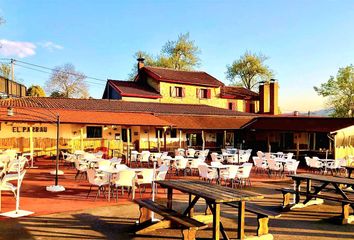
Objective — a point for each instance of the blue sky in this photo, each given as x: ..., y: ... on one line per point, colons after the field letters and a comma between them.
x: 306, y: 41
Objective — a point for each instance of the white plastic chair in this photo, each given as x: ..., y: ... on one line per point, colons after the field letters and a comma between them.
x: 81, y: 168
x: 259, y: 164
x: 125, y: 178
x: 5, y: 184
x: 274, y: 166
x: 334, y: 166
x: 289, y: 155
x: 206, y: 173
x: 190, y: 152
x: 244, y: 174
x: 230, y: 174
x: 155, y: 156
x: 316, y: 164
x: 144, y: 158
x: 147, y: 178
x: 194, y: 164
x: 245, y: 157
x: 100, y: 183
x: 181, y: 165
x: 291, y: 166
x: 216, y: 158
x: 234, y: 159
x: 134, y: 157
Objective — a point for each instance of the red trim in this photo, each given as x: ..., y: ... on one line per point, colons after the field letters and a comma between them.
x: 139, y: 95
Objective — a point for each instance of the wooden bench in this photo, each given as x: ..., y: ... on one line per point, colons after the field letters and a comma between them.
x: 263, y: 214
x: 189, y: 225
x: 346, y: 203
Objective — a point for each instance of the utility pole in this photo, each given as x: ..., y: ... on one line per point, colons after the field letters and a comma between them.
x: 12, y: 69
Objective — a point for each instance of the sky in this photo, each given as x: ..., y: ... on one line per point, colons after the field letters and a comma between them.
x: 306, y: 41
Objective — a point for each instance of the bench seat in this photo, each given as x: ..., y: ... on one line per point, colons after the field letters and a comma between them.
x: 346, y: 203
x: 263, y: 214
x: 189, y: 225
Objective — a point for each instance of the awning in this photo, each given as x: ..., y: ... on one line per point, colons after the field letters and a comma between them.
x: 82, y: 117
x: 206, y: 122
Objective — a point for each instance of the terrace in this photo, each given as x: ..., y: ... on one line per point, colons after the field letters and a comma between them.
x: 70, y: 214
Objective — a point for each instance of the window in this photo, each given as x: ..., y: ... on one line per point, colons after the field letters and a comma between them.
x: 203, y: 93
x: 158, y: 132
x: 178, y: 92
x: 231, y: 106
x: 93, y: 132
x: 125, y: 135
x: 173, y: 133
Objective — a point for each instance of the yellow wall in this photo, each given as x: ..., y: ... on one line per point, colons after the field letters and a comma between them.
x: 344, y: 144
x: 190, y: 96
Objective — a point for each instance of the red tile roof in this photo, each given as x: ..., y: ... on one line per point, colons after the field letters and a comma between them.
x: 235, y: 92
x: 118, y: 106
x: 133, y: 89
x: 206, y: 122
x: 182, y: 77
x: 299, y: 124
x: 82, y: 117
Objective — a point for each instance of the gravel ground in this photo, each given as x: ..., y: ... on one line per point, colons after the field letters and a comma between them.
x: 119, y: 222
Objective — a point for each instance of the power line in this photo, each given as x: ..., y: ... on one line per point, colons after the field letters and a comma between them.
x: 38, y: 70
x: 55, y: 70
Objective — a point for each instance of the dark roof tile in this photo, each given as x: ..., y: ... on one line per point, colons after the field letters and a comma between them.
x: 133, y: 89
x: 182, y: 77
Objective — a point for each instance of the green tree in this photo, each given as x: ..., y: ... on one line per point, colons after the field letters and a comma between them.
x: 57, y: 94
x: 339, y: 92
x: 249, y: 70
x: 35, y: 91
x: 5, y: 70
x: 181, y: 54
x: 67, y: 81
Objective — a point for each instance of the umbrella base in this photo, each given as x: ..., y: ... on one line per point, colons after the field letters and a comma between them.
x: 16, y: 214
x: 60, y: 172
x: 55, y: 188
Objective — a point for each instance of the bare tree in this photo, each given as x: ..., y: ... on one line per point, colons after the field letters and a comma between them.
x: 5, y: 70
x: 68, y: 82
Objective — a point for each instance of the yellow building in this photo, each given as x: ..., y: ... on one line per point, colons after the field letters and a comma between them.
x: 155, y: 84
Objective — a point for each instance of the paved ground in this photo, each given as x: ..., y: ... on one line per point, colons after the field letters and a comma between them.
x: 118, y: 222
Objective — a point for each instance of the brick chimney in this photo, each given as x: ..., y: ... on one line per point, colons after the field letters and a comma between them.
x: 264, y: 97
x: 273, y: 97
x: 140, y: 62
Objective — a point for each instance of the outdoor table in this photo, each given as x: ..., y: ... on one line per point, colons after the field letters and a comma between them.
x: 218, y: 168
x: 325, y: 163
x: 214, y: 196
x: 324, y: 182
x: 283, y: 161
x: 111, y: 171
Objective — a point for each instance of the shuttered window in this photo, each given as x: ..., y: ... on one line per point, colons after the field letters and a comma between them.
x: 203, y: 93
x: 178, y: 92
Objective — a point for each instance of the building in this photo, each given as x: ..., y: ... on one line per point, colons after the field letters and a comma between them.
x: 162, y: 85
x: 9, y: 88
x: 164, y: 109
x: 115, y: 124
x: 121, y: 125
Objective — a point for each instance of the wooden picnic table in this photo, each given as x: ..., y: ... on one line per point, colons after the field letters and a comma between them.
x: 341, y: 195
x: 214, y: 195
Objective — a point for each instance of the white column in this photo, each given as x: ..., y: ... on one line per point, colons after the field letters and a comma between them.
x: 180, y: 138
x: 203, y: 139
